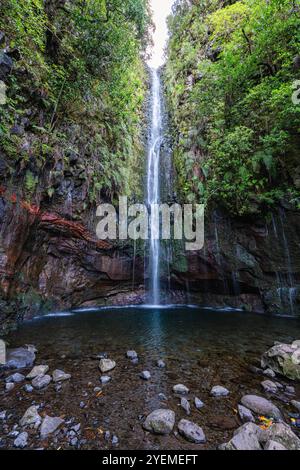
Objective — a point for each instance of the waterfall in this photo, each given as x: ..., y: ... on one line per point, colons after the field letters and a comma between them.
x: 153, y: 185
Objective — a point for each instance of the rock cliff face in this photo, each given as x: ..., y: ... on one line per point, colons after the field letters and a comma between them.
x: 250, y: 264
x: 48, y: 262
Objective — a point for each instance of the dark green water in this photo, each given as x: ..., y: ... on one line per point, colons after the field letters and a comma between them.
x: 192, y: 331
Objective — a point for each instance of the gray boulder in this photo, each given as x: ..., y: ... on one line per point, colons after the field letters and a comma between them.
x: 273, y: 445
x: 19, y: 358
x: 41, y: 381
x: 261, y: 406
x: 49, y: 425
x: 282, y: 434
x: 247, y: 437
x: 106, y: 365
x: 184, y: 403
x: 160, y: 421
x: 269, y: 386
x: 191, y: 431
x: 245, y: 414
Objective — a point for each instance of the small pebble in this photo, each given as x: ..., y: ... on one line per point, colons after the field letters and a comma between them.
x: 198, y: 403
x: 185, y: 405
x: 104, y: 379
x: 131, y: 355
x: 162, y: 397
x: 181, y: 389
x: 145, y: 375
x: 219, y: 391
x: 9, y: 386
x: 161, y: 364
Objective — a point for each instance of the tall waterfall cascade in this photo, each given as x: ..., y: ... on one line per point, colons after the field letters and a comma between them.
x: 161, y: 10
x: 153, y: 185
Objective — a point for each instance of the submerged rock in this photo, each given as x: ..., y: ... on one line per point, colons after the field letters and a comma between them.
x: 181, y: 389
x: 219, y: 391
x: 49, y: 425
x: 284, y: 359
x: 19, y: 358
x: 21, y: 441
x: 184, y: 403
x: 132, y: 355
x: 60, y: 376
x: 160, y: 421
x: 191, y: 431
x: 31, y: 417
x: 37, y: 370
x: 245, y: 414
x: 106, y: 365
x: 261, y: 406
x: 41, y: 381
x: 145, y: 375
x: 161, y: 364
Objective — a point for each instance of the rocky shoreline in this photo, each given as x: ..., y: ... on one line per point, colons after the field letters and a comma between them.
x: 32, y: 390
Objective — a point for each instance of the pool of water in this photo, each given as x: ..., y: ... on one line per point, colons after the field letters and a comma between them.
x: 191, y: 331
x: 201, y: 348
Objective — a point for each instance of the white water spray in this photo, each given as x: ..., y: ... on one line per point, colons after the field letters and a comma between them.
x: 161, y: 10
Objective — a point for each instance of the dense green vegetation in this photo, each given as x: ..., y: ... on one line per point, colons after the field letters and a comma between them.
x: 75, y: 93
x: 229, y: 82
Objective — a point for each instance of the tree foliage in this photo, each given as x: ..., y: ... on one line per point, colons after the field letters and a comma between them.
x: 79, y: 66
x: 229, y: 82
